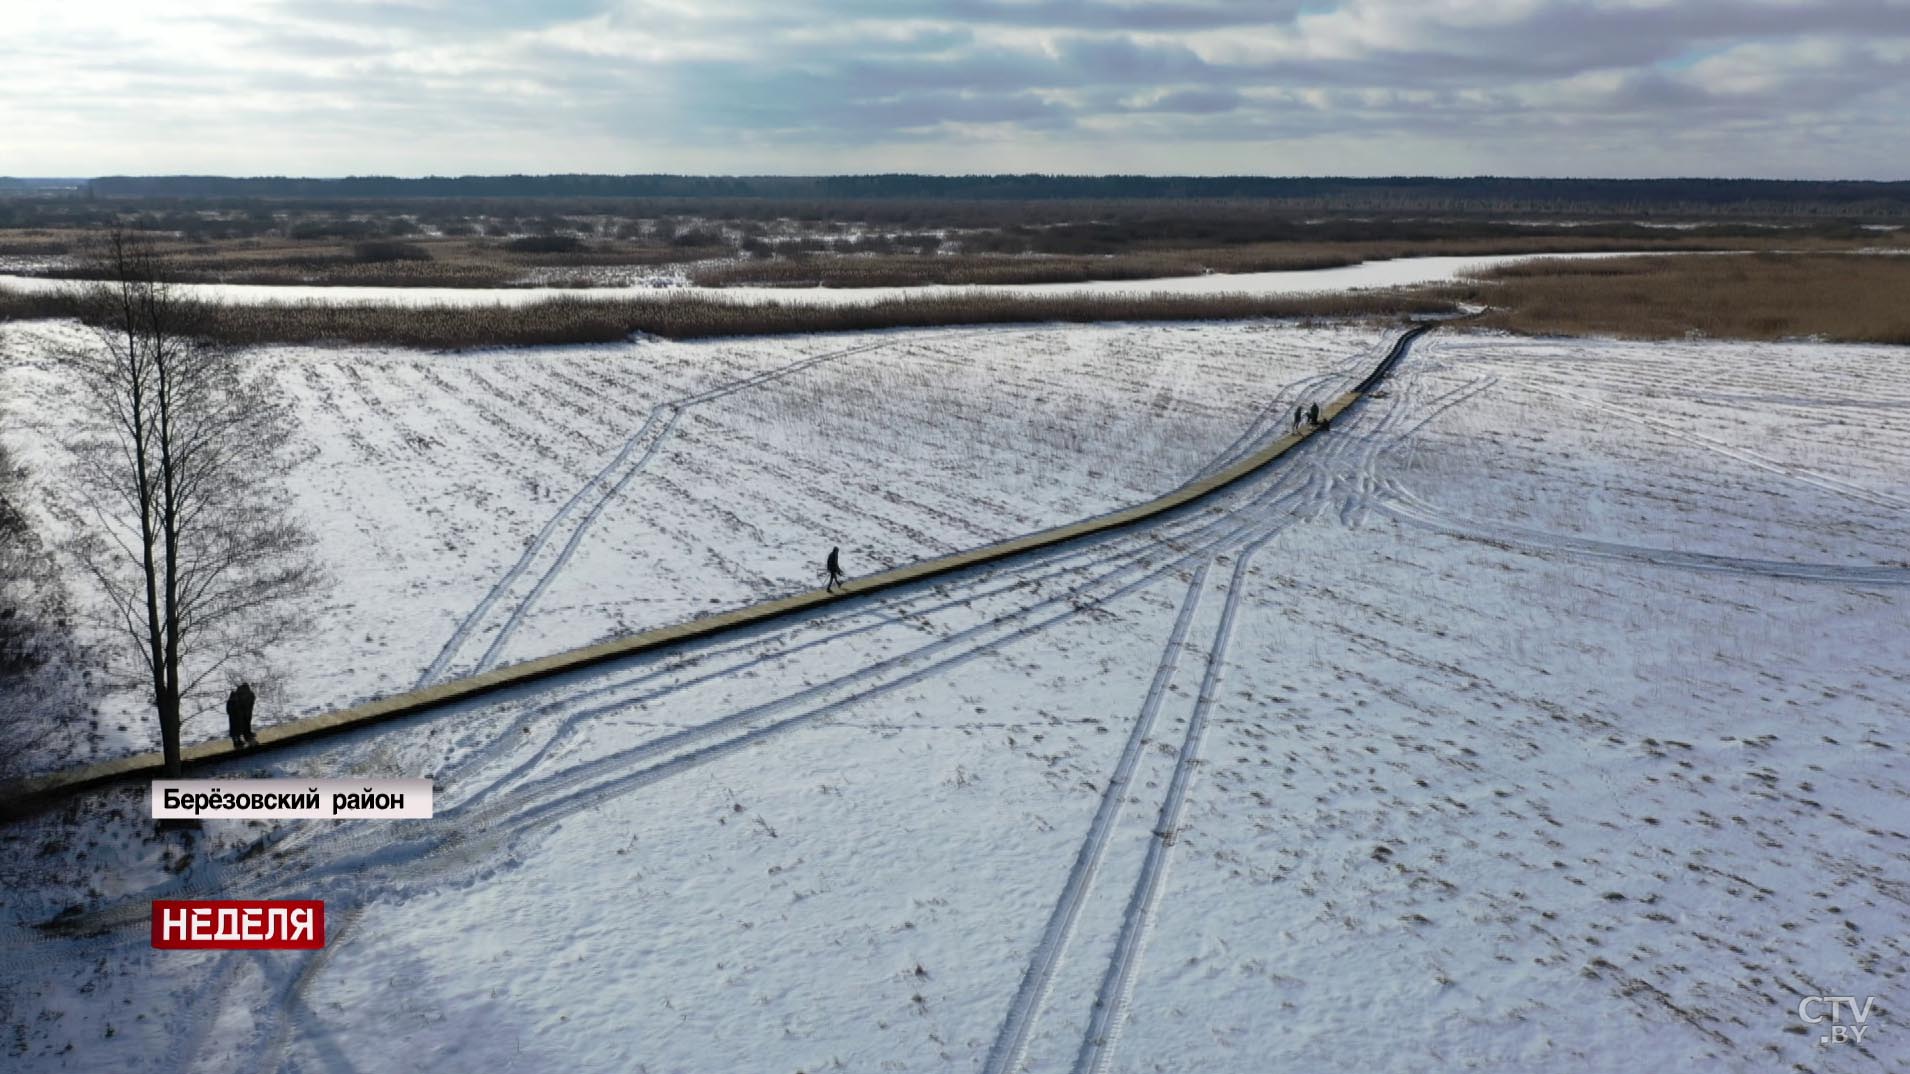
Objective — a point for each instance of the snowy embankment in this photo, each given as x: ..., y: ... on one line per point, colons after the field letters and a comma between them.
x: 1545, y: 715
x: 1400, y: 272
x: 485, y: 508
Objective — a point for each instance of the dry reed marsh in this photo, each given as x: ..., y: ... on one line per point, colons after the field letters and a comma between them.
x: 1843, y: 298
x: 1854, y: 298
x: 711, y: 262
x: 437, y: 262
x: 869, y: 246
x: 694, y: 316
x: 904, y: 270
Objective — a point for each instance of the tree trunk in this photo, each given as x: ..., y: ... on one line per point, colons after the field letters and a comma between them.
x: 169, y: 734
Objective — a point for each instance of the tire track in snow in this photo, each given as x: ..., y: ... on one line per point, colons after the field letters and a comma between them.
x: 1093, y: 551
x: 186, y: 1044
x: 432, y: 857
x: 368, y: 845
x: 569, y: 549
x: 538, y: 543
x: 886, y: 612
x: 1822, y: 482
x: 608, y: 483
x: 1250, y: 440
x: 1276, y: 412
x: 1109, y: 1012
x: 1012, y: 1041
x: 472, y: 829
x: 293, y: 1000
x: 1117, y: 987
x: 1386, y: 438
x: 557, y: 796
x: 1007, y: 1055
x: 1231, y: 527
x: 1410, y: 509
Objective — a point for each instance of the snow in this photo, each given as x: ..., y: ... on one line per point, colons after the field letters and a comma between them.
x: 490, y: 507
x: 1542, y: 715
x: 1401, y: 272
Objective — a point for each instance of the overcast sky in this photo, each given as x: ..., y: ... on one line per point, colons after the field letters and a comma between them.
x: 1780, y: 88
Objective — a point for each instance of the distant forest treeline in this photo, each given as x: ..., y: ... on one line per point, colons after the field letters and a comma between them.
x: 8, y: 184
x: 1395, y: 194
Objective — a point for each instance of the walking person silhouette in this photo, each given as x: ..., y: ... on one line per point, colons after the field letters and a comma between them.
x: 834, y: 567
x: 238, y: 716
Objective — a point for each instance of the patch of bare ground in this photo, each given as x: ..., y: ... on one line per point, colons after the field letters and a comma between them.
x: 1844, y: 298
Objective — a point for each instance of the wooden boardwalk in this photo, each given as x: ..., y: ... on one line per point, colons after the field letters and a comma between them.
x: 24, y: 797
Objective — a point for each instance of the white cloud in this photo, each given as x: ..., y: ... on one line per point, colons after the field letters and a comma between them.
x: 1606, y: 87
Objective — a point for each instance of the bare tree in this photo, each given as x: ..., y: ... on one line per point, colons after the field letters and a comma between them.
x: 180, y: 465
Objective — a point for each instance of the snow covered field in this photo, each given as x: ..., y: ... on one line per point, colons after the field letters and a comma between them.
x: 1400, y: 272
x: 478, y: 509
x: 1545, y: 714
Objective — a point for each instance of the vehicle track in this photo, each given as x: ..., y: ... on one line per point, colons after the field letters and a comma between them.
x: 186, y: 1043
x: 538, y: 802
x: 1410, y: 509
x: 1822, y: 482
x: 607, y: 484
x: 569, y: 549
x: 1265, y: 425
x: 542, y: 801
x: 293, y: 1003
x: 1109, y: 1013
x: 369, y: 843
x: 1200, y: 527
x: 1007, y: 1054
x: 1011, y: 1041
x: 1387, y: 438
x: 471, y: 622
x: 1276, y: 414
x: 1094, y: 551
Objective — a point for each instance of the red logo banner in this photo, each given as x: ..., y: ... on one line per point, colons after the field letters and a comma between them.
x: 238, y: 924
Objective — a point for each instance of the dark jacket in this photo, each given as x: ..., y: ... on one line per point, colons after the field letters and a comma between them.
x: 834, y: 566
x: 238, y: 710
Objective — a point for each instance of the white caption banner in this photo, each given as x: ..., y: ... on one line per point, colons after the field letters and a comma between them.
x: 291, y: 799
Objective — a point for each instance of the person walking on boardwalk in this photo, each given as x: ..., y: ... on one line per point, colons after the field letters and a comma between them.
x: 834, y: 567
x: 1313, y: 414
x: 1296, y: 419
x: 238, y: 716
